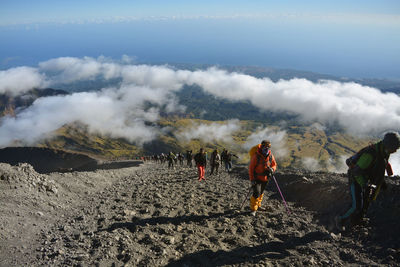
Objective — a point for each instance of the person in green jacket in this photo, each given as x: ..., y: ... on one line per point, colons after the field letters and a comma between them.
x: 366, y: 177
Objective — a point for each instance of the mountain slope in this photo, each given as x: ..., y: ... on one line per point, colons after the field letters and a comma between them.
x: 155, y: 216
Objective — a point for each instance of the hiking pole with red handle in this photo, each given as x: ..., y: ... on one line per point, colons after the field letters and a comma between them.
x: 280, y: 192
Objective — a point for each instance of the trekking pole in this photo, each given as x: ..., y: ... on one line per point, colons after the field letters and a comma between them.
x: 247, y: 196
x: 280, y: 192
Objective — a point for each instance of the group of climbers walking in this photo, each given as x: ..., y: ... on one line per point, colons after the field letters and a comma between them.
x: 200, y: 159
x: 215, y: 160
x: 366, y: 173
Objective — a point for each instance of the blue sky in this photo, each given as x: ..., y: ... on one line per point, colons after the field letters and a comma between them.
x: 344, y: 38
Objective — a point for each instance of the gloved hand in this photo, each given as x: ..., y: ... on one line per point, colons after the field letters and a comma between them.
x: 271, y: 171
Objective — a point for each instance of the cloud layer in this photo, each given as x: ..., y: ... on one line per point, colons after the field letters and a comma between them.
x: 275, y: 136
x: 359, y: 109
x: 213, y: 132
x: 122, y: 111
x: 19, y: 80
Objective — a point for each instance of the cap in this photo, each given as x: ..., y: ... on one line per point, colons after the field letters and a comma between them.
x: 266, y: 143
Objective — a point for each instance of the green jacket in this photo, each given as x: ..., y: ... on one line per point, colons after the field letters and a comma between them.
x: 371, y: 165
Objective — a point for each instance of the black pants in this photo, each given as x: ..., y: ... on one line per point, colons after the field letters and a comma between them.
x: 216, y: 166
x: 170, y: 164
x: 258, y: 188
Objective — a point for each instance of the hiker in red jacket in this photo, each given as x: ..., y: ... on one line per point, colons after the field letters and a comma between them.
x: 262, y: 166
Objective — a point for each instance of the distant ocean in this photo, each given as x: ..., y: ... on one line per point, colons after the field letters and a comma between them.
x: 202, y: 42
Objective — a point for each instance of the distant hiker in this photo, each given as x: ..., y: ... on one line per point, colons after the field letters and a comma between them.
x: 171, y: 160
x: 226, y: 157
x: 180, y: 158
x: 366, y: 177
x: 201, y: 163
x: 214, y: 162
x: 261, y: 168
x: 163, y: 158
x: 189, y: 157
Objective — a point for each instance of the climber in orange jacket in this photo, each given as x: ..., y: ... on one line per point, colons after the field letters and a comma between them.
x: 261, y: 168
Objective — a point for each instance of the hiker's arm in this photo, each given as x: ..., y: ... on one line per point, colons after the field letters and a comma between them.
x: 273, y: 163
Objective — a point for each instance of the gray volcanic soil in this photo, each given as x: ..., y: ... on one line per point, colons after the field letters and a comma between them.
x: 151, y: 216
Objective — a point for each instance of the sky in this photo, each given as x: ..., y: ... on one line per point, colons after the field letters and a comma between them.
x: 356, y: 39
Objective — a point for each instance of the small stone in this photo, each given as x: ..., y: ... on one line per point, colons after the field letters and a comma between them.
x: 336, y: 237
x: 129, y: 213
x: 170, y: 240
x: 312, y: 261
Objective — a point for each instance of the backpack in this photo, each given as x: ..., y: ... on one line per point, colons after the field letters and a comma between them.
x: 253, y: 150
x: 199, y: 159
x: 352, y: 161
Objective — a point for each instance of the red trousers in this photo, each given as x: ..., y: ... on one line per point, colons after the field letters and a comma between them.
x: 201, y: 171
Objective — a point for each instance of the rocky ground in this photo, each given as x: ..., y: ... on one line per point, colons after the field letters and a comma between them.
x: 151, y: 216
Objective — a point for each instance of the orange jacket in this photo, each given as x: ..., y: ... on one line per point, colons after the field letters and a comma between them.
x: 259, y: 165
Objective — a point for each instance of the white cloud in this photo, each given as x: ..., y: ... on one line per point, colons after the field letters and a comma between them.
x: 276, y: 137
x: 71, y: 69
x: 19, y: 80
x: 395, y: 162
x: 116, y: 112
x: 318, y: 126
x: 311, y: 164
x: 368, y: 19
x: 213, y: 132
x: 359, y: 109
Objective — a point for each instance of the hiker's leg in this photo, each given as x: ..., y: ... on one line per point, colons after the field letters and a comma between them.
x: 356, y: 197
x: 260, y: 198
x: 255, y: 196
x: 199, y: 171
x: 212, y: 169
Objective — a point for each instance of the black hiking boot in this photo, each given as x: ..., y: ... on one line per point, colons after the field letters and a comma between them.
x: 339, y: 223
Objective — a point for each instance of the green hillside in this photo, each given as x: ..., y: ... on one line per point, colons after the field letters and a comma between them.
x: 77, y: 139
x: 326, y: 149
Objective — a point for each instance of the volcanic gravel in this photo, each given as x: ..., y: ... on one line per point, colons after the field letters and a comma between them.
x: 150, y: 215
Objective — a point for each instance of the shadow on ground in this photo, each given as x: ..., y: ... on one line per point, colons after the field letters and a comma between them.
x: 46, y: 160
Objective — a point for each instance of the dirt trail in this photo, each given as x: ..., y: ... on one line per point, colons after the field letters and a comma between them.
x: 152, y: 216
